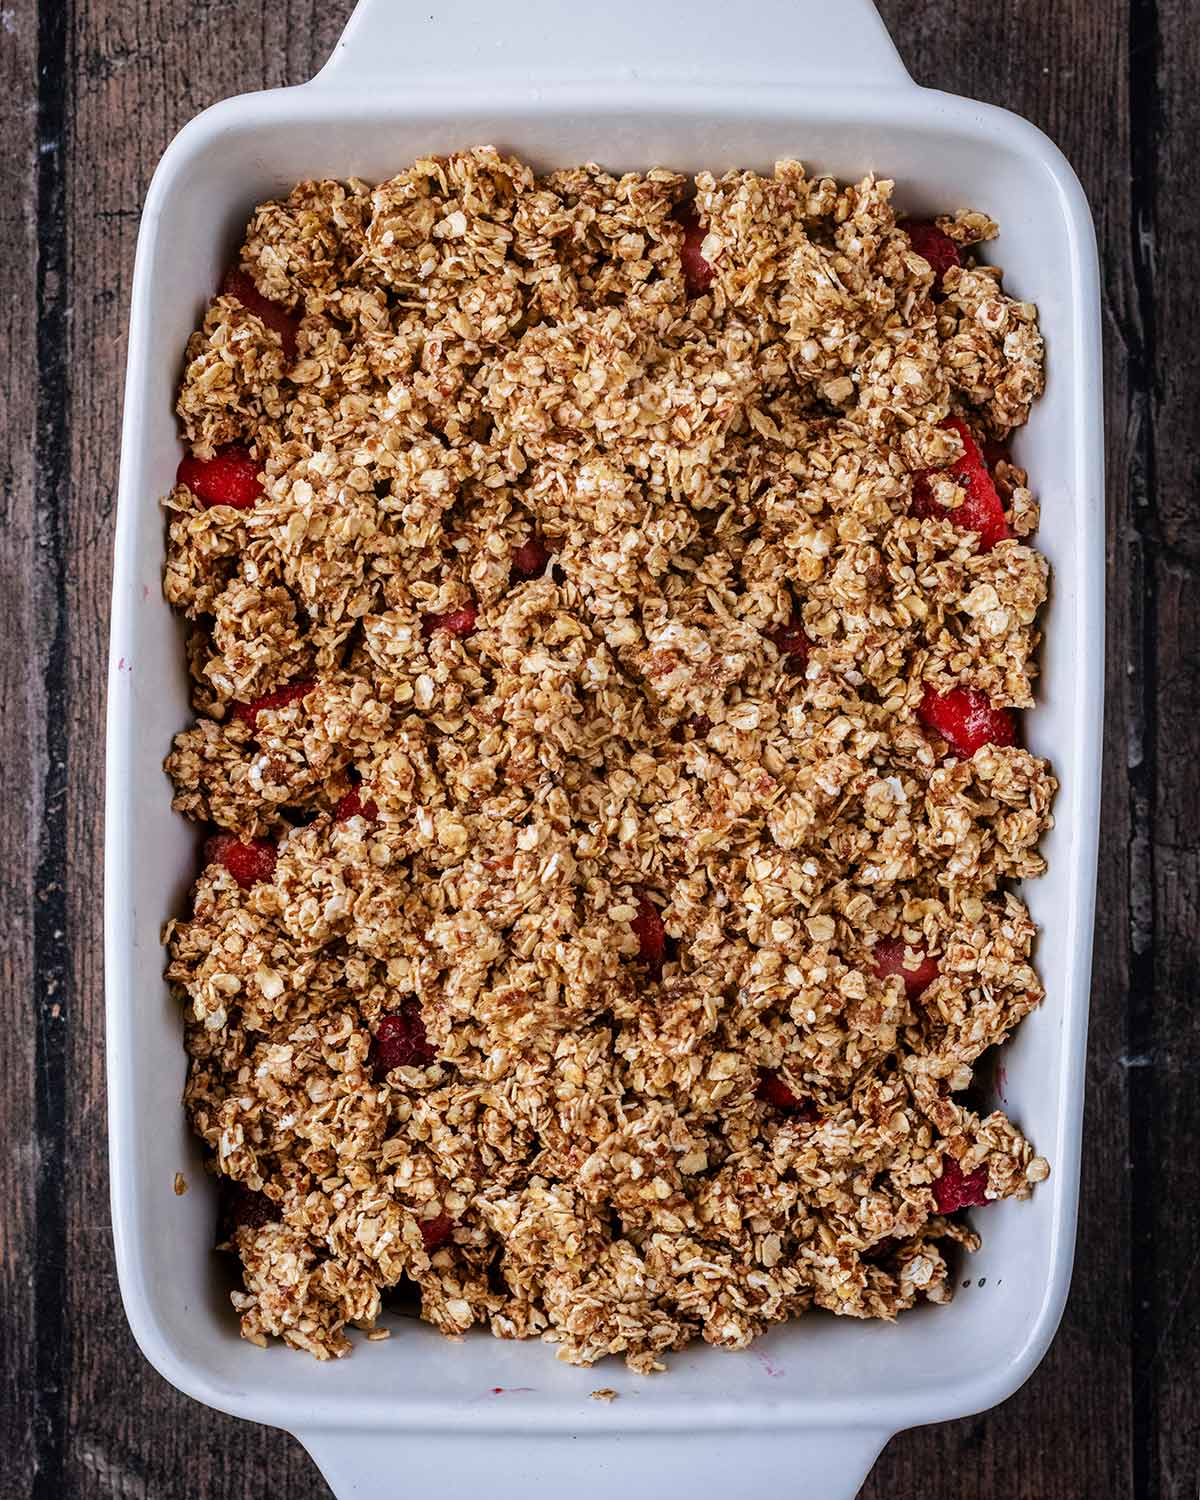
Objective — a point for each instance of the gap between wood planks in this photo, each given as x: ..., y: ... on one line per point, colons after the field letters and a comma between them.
x: 51, y: 951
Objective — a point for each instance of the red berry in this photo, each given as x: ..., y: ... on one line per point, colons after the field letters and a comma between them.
x: 933, y: 245
x: 699, y: 723
x: 248, y: 712
x: 352, y: 806
x: 460, y: 622
x: 952, y: 1190
x: 231, y: 478
x: 772, y: 1090
x: 994, y: 453
x: 400, y: 1040
x: 247, y: 862
x: 965, y: 719
x: 981, y: 509
x: 650, y: 933
x: 697, y: 272
x: 530, y: 558
x: 889, y: 959
x: 246, y: 1209
x: 790, y: 639
x: 436, y: 1232
x: 277, y: 317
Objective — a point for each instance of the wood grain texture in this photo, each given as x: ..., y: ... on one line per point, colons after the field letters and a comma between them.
x: 21, y: 748
x: 103, y: 85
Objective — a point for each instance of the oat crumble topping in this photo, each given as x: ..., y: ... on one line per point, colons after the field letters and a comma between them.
x: 598, y: 935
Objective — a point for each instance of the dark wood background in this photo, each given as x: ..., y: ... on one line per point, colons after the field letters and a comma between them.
x: 90, y: 93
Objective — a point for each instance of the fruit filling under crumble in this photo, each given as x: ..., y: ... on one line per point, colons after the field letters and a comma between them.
x: 610, y: 602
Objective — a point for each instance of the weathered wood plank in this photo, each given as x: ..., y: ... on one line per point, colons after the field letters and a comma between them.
x: 140, y: 70
x: 1064, y: 67
x: 1164, y: 1020
x: 21, y: 749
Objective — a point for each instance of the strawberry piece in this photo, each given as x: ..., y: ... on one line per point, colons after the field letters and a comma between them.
x: 966, y: 719
x: 400, y: 1040
x: 530, y: 558
x: 247, y: 862
x: 230, y: 478
x: 460, y: 622
x: 889, y: 959
x: 277, y: 317
x: 246, y: 1209
x: 772, y: 1090
x: 435, y: 1232
x: 981, y: 509
x: 698, y: 273
x: 953, y: 1191
x: 248, y: 712
x: 651, y: 934
x: 791, y: 640
x: 353, y: 806
x: 933, y: 245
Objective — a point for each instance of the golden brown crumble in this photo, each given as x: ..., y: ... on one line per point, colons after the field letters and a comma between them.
x: 487, y: 359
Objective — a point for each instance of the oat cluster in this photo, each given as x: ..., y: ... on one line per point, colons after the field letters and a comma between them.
x: 601, y: 1151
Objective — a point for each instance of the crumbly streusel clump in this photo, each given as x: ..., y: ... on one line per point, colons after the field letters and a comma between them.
x: 469, y: 817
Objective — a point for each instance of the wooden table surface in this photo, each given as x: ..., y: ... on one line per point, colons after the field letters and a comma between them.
x: 91, y: 93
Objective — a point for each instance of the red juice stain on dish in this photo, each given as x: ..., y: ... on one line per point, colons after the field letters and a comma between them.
x: 953, y: 1190
x: 698, y: 273
x: 889, y: 959
x: 966, y: 719
x: 229, y: 478
x: 981, y: 509
x: 277, y: 317
x: 248, y: 861
x: 248, y: 712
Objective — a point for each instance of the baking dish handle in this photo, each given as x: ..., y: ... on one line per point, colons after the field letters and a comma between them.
x: 632, y: 1463
x: 545, y: 42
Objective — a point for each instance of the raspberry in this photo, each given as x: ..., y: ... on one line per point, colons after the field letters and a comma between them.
x: 352, y: 806
x: 889, y: 959
x: 650, y: 933
x: 952, y: 1190
x: 460, y: 622
x: 932, y: 245
x: 248, y: 712
x: 436, y: 1232
x: 277, y: 317
x: 790, y: 639
x: 246, y: 1209
x: 697, y: 272
x: 400, y: 1040
x: 981, y: 509
x: 772, y: 1090
x: 530, y: 558
x: 965, y: 719
x: 247, y: 862
x: 231, y: 478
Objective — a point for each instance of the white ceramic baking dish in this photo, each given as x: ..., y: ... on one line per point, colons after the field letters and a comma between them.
x: 630, y: 84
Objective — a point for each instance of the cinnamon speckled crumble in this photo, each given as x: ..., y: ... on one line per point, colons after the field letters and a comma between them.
x: 601, y: 777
